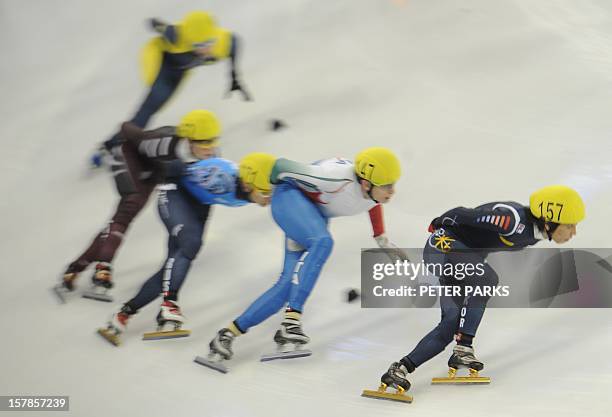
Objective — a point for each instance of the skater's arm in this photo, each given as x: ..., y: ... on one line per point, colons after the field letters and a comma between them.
x: 383, y: 242
x: 501, y: 220
x: 233, y: 56
x: 166, y: 153
x: 377, y: 220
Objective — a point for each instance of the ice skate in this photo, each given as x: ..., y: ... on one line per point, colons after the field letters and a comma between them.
x: 66, y: 286
x: 395, y: 377
x: 220, y: 351
x: 289, y: 341
x: 116, y: 326
x: 169, y: 323
x: 463, y: 357
x: 101, y: 283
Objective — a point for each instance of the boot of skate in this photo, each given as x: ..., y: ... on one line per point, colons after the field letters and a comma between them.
x: 463, y: 357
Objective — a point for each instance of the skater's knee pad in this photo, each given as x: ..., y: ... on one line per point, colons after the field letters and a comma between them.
x: 189, y: 243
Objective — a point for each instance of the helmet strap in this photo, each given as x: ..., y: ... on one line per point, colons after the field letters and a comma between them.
x: 240, y: 193
x: 551, y: 229
x: 369, y: 192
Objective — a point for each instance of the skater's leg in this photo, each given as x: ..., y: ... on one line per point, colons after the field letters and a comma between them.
x: 275, y: 298
x: 436, y: 340
x: 150, y: 290
x: 184, y: 219
x: 106, y: 243
x: 128, y: 208
x: 475, y: 306
x: 303, y: 223
x: 161, y: 91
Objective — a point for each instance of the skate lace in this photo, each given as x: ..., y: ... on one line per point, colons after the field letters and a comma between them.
x: 226, y: 339
x: 398, y: 371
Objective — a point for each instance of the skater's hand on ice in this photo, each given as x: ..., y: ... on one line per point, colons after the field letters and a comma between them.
x: 236, y: 86
x: 390, y: 248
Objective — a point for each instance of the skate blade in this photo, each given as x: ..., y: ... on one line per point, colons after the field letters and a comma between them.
x: 462, y: 380
x: 382, y: 395
x: 216, y: 365
x: 92, y: 295
x: 61, y: 293
x: 286, y: 355
x: 110, y: 337
x: 172, y: 334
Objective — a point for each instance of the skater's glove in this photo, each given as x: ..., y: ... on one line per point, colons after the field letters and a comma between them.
x: 157, y: 25
x: 390, y: 249
x: 236, y: 86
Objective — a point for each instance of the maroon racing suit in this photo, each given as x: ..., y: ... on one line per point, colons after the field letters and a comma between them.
x: 136, y: 175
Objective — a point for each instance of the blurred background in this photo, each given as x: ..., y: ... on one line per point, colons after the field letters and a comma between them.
x: 481, y: 100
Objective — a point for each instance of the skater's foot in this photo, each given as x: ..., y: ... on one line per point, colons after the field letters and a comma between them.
x: 222, y: 344
x: 290, y: 331
x: 118, y: 322
x: 396, y: 377
x: 463, y: 357
x: 170, y: 312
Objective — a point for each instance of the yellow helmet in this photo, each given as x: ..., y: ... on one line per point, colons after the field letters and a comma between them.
x: 255, y: 170
x: 557, y: 204
x: 197, y: 27
x: 200, y: 125
x: 380, y: 166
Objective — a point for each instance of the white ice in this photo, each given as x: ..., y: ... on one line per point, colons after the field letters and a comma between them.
x: 482, y: 100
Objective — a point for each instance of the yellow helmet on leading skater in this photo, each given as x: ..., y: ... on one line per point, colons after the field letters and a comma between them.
x: 197, y: 27
x: 200, y: 125
x: 380, y: 166
x: 255, y: 170
x: 557, y: 204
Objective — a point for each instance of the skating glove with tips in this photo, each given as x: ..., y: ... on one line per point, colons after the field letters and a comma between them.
x: 390, y: 249
x: 237, y: 86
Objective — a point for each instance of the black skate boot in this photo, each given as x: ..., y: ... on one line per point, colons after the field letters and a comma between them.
x: 289, y: 340
x: 395, y: 377
x: 463, y: 357
x: 101, y: 283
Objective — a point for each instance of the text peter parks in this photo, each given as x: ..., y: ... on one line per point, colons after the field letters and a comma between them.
x: 542, y: 278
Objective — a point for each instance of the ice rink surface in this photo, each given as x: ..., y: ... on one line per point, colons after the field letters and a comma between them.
x: 482, y: 100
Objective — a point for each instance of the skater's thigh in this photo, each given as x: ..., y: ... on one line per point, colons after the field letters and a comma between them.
x: 179, y: 212
x: 299, y: 217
